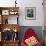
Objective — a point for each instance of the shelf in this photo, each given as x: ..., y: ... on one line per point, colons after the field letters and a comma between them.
x: 10, y: 26
x: 11, y: 41
x: 5, y: 12
x: 10, y: 19
x: 9, y: 10
x: 4, y: 8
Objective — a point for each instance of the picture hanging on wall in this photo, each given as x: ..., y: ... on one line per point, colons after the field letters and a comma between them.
x: 30, y: 13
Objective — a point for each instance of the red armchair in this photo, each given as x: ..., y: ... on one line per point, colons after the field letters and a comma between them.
x: 30, y: 34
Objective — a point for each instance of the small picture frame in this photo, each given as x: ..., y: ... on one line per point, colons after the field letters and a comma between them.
x: 5, y: 12
x: 30, y: 13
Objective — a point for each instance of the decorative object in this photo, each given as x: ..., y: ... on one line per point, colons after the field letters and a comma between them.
x: 31, y: 41
x: 13, y: 12
x: 6, y: 21
x: 5, y: 12
x: 15, y: 37
x: 30, y: 38
x: 30, y: 13
x: 15, y: 30
x: 15, y: 3
x: 7, y: 34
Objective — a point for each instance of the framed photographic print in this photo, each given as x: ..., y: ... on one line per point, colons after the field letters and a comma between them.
x: 5, y: 12
x: 30, y: 13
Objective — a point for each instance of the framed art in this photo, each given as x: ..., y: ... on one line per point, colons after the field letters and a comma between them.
x: 5, y: 12
x: 30, y: 13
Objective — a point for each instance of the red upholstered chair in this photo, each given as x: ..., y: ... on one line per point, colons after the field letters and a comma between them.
x: 28, y: 34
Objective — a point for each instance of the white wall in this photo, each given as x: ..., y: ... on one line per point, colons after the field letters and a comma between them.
x: 27, y: 3
x: 39, y: 13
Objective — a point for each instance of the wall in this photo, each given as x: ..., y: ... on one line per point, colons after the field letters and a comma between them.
x: 35, y: 24
x: 39, y: 13
x: 27, y: 3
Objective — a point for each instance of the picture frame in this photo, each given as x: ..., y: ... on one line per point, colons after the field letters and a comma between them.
x: 30, y: 13
x: 5, y: 12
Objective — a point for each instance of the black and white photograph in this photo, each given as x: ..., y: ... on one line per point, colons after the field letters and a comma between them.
x: 30, y: 13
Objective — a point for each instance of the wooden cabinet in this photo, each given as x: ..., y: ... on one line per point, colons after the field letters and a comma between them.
x: 7, y: 25
x: 6, y: 12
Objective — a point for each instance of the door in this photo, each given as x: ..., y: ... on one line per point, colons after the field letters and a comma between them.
x: 44, y: 6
